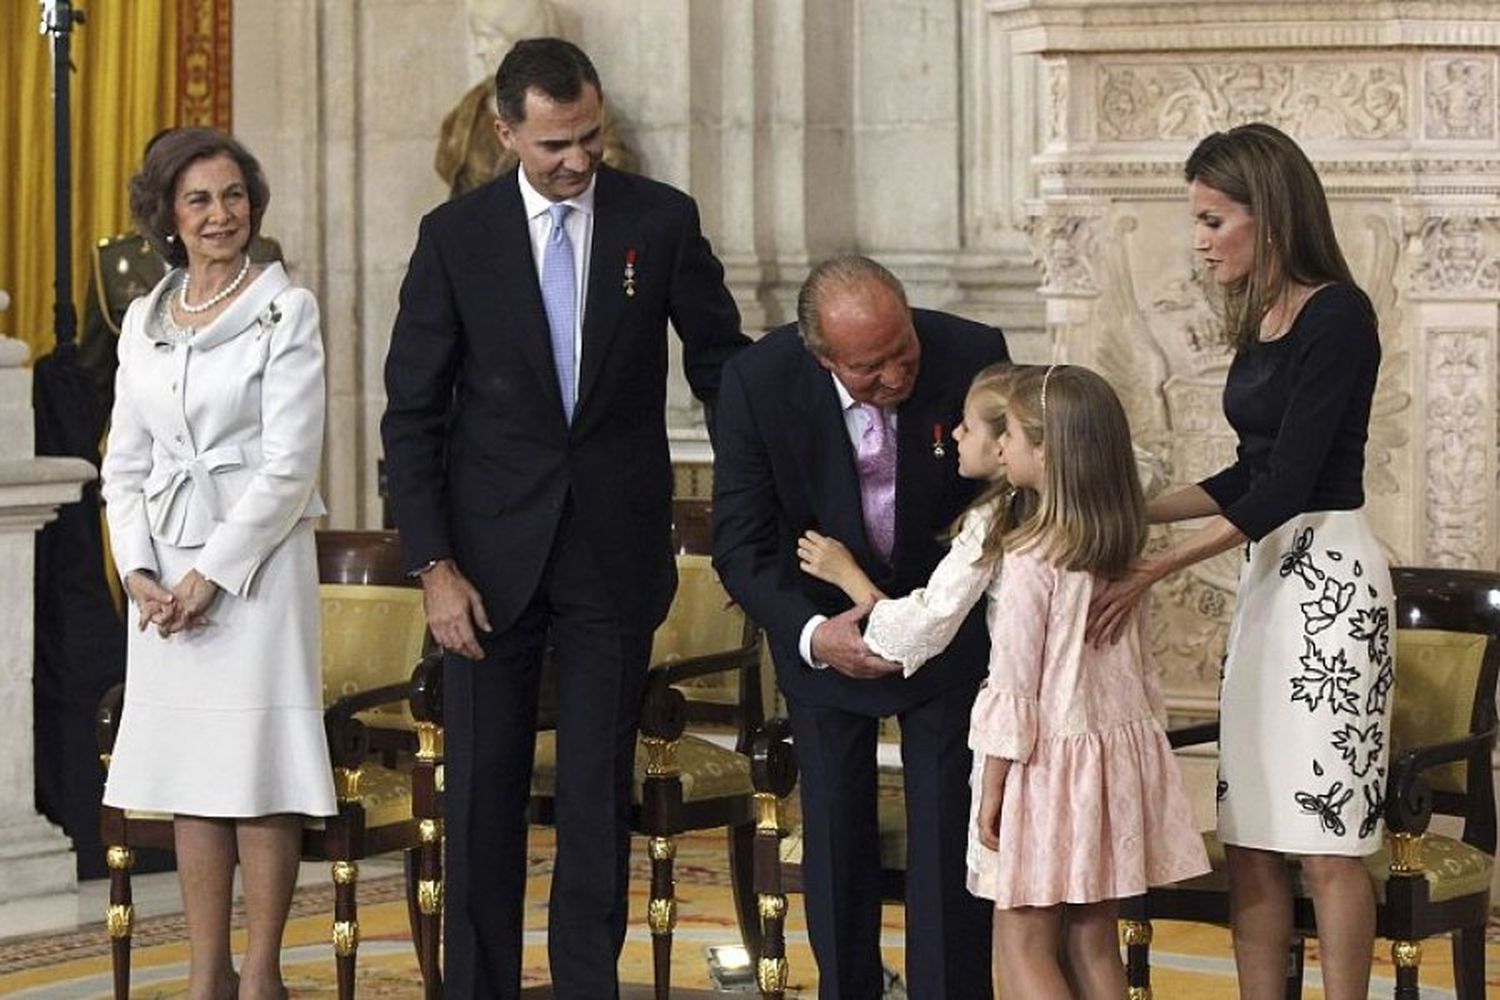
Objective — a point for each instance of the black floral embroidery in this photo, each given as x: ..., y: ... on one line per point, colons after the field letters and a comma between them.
x: 1372, y: 626
x: 1328, y: 807
x: 1374, y: 807
x: 1323, y: 679
x: 1375, y: 701
x: 1323, y: 612
x: 1359, y: 745
x: 1298, y: 560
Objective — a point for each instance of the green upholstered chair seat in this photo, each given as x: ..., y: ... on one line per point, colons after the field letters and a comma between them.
x: 1453, y: 869
x: 708, y: 771
x: 892, y: 818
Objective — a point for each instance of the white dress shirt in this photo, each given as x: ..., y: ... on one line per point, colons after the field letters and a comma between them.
x: 580, y: 226
x: 855, y: 423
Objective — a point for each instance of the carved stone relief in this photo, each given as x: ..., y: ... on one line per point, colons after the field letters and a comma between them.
x: 1062, y: 239
x: 1455, y: 254
x: 1057, y: 100
x: 1460, y: 425
x: 1460, y: 95
x: 1362, y: 99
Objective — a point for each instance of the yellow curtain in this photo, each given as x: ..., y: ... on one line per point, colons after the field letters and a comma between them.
x: 123, y: 92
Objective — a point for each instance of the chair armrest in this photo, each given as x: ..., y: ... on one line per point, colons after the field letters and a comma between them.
x: 663, y: 708
x: 1408, y: 800
x: 107, y: 719
x: 351, y: 740
x: 690, y: 667
x: 1199, y: 732
x: 361, y: 701
x: 425, y: 690
x: 773, y: 762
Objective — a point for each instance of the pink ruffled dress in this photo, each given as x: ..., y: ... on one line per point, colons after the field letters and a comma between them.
x: 1094, y: 806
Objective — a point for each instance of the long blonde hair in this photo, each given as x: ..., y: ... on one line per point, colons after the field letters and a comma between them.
x: 1090, y: 513
x: 987, y: 396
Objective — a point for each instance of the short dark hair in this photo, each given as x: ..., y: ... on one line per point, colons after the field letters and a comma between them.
x: 556, y: 68
x: 154, y: 189
x: 845, y: 271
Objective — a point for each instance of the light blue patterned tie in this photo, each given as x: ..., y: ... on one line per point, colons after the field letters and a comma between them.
x: 560, y: 297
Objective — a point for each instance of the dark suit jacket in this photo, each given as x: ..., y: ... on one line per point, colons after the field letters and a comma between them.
x: 783, y: 464
x: 478, y: 455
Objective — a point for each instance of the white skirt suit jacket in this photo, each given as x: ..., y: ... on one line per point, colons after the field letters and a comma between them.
x: 212, y: 464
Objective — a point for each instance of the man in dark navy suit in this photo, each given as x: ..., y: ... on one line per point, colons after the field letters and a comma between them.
x: 528, y: 472
x: 811, y: 421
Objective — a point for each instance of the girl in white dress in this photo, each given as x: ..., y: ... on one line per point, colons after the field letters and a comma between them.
x: 210, y: 487
x: 1080, y: 802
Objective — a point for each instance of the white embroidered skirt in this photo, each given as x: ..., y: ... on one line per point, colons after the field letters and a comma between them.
x: 1305, y: 704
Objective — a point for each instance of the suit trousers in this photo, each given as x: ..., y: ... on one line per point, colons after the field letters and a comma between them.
x: 947, y: 929
x: 490, y: 717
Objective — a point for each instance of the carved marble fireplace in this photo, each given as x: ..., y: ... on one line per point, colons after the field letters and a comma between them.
x: 1399, y: 113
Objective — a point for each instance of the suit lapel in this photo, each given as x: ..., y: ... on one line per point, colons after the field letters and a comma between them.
x: 615, y: 233
x: 922, y: 475
x: 517, y: 305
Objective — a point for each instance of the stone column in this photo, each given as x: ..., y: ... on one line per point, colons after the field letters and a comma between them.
x: 1399, y: 114
x: 37, y: 882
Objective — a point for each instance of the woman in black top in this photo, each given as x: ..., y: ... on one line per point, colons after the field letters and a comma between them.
x: 1305, y: 696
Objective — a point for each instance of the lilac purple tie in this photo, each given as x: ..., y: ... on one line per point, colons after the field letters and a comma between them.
x: 560, y: 298
x: 875, y: 458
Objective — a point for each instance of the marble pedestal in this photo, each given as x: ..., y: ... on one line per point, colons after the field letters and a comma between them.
x: 37, y: 881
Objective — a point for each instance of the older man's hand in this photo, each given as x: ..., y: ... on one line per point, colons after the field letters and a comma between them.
x: 838, y: 643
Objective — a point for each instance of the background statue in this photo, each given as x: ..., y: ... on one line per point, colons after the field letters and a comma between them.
x: 468, y: 153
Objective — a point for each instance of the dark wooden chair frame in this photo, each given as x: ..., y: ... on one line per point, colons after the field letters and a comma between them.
x: 354, y: 557
x: 774, y: 771
x: 1457, y: 600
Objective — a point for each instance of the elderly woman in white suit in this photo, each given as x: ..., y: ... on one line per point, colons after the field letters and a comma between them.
x: 210, y: 486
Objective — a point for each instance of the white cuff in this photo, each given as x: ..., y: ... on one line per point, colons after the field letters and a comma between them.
x: 804, y: 642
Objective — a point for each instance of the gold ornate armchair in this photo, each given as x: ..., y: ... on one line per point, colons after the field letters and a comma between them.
x: 1443, y: 730
x: 374, y: 633
x: 705, y: 672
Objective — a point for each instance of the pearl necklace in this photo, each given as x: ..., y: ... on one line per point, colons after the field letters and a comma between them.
x: 216, y: 298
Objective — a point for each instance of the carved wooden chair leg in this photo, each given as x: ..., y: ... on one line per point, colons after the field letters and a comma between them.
x: 742, y: 884
x: 411, y: 868
x: 427, y: 807
x: 1138, y: 957
x: 345, y: 924
x: 1406, y: 880
x: 662, y: 912
x: 661, y: 809
x: 1407, y: 956
x: 1468, y: 963
x: 120, y: 917
x: 430, y: 907
x: 771, y: 967
x: 1295, y: 964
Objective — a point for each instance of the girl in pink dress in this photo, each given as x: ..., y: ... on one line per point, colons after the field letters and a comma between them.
x: 1080, y: 802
